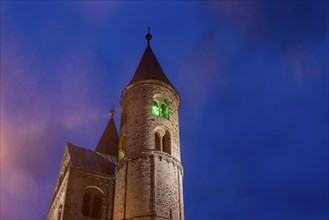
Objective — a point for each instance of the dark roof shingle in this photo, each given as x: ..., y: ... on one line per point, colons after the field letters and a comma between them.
x: 149, y: 68
x: 109, y: 141
x: 90, y: 160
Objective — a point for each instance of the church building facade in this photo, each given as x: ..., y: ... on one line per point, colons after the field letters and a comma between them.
x: 134, y: 174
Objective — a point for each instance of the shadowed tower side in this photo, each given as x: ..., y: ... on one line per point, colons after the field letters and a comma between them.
x: 149, y: 172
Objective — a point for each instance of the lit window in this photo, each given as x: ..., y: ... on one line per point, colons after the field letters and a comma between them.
x: 165, y: 109
x: 156, y: 108
x: 160, y: 109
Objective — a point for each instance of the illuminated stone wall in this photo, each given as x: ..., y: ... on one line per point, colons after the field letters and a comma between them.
x: 137, y: 100
x: 60, y: 188
x: 78, y: 182
x: 71, y: 191
x: 148, y: 182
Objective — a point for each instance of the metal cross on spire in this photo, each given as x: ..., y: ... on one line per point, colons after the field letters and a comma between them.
x: 148, y: 36
x: 112, y: 112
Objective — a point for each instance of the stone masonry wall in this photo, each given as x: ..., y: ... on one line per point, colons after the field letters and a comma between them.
x: 168, y: 198
x: 60, y: 187
x: 149, y: 182
x: 70, y: 188
x: 149, y: 186
x: 139, y: 128
x: 59, y: 200
x: 79, y: 181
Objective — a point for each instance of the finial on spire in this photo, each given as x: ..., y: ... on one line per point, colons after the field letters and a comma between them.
x: 112, y: 112
x: 148, y: 36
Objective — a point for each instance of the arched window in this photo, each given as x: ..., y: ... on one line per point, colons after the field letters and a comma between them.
x: 156, y: 108
x: 165, y: 109
x: 97, y: 207
x: 92, y: 203
x: 166, y: 143
x: 157, y: 141
x: 123, y: 117
x: 160, y: 107
x: 86, y: 204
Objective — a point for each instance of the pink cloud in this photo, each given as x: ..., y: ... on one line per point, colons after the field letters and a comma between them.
x: 20, y: 190
x: 18, y: 181
x: 40, y: 102
x: 19, y: 187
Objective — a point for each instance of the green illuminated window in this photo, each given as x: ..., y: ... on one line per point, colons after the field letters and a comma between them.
x: 159, y: 109
x: 165, y: 109
x: 156, y: 108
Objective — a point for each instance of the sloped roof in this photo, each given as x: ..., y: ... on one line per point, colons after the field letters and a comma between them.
x: 109, y: 141
x: 90, y: 160
x: 149, y: 68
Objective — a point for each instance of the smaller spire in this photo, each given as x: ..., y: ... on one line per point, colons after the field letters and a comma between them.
x: 112, y: 112
x: 148, y: 36
x: 109, y: 141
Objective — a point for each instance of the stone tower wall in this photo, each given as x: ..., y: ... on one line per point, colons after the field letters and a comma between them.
x: 148, y: 181
x: 140, y: 125
x: 168, y: 188
x: 149, y: 186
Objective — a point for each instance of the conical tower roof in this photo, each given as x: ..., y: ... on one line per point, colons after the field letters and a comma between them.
x: 149, y: 68
x: 109, y: 141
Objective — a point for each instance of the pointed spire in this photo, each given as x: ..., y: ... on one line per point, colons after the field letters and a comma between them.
x: 109, y: 141
x: 149, y: 67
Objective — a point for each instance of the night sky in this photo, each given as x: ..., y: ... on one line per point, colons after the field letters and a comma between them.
x: 253, y: 82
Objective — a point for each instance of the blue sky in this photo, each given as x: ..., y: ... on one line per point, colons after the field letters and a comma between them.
x: 253, y: 81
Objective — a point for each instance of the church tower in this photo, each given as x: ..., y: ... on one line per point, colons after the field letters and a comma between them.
x: 136, y: 174
x: 149, y: 172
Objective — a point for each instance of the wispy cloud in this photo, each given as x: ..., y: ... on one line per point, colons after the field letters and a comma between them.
x: 39, y: 102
